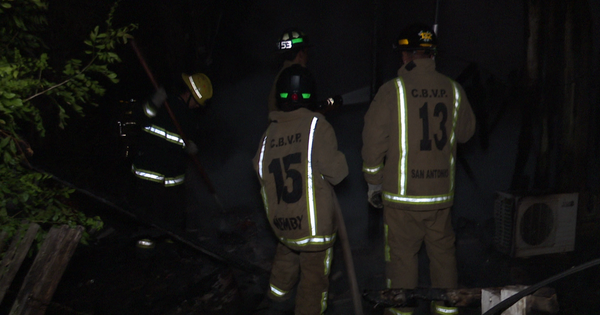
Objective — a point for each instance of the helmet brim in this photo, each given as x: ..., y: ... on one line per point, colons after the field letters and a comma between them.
x: 200, y: 99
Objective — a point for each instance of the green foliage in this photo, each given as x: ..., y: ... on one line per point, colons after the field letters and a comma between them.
x: 27, y: 85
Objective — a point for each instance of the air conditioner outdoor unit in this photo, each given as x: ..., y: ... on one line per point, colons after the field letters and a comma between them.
x: 535, y: 225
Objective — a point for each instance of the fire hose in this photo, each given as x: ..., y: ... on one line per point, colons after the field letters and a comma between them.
x: 356, y: 298
x: 199, y: 167
x: 508, y: 302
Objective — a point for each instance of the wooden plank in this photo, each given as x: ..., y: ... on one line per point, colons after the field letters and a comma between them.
x: 47, y: 269
x: 16, y: 253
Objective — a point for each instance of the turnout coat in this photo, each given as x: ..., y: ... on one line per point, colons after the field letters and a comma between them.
x: 161, y: 157
x: 297, y: 163
x: 410, y: 135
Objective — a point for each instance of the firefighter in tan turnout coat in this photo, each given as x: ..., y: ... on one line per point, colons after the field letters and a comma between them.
x: 297, y: 163
x: 410, y: 135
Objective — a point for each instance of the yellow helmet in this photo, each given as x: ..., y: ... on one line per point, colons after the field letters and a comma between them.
x: 200, y: 86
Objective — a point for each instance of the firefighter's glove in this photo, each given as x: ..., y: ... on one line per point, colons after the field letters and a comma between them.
x: 334, y: 102
x: 374, y: 196
x: 159, y: 97
x: 337, y: 101
x: 191, y: 148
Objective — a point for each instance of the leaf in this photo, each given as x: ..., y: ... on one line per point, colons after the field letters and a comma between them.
x: 4, y: 142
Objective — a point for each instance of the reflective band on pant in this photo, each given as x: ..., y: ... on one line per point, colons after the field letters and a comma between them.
x: 157, y: 177
x: 386, y: 247
x: 445, y: 309
x: 372, y: 170
x: 277, y: 291
x: 327, y: 262
x: 398, y: 312
x: 323, y: 302
x: 401, y: 196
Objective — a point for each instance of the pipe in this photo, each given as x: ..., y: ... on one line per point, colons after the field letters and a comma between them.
x: 435, y: 23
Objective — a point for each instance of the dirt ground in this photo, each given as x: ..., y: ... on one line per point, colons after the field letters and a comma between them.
x: 226, y: 271
x: 228, y: 274
x: 179, y: 274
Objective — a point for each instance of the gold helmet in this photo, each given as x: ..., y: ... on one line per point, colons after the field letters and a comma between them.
x: 417, y: 36
x: 200, y: 86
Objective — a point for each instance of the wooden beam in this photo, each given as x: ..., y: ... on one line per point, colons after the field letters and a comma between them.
x: 14, y: 256
x: 47, y: 269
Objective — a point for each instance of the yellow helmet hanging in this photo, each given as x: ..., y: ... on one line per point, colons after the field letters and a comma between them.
x: 200, y: 86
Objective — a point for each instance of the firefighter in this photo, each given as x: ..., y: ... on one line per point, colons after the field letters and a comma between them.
x: 297, y: 164
x: 161, y: 160
x: 292, y: 46
x: 410, y: 135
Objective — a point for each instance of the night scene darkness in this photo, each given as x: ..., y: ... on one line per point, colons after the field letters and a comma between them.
x: 529, y: 70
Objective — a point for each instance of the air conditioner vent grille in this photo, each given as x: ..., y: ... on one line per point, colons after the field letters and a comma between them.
x: 536, y: 224
x: 528, y: 225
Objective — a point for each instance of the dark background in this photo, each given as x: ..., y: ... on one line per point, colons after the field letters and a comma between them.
x: 483, y: 45
x: 532, y: 138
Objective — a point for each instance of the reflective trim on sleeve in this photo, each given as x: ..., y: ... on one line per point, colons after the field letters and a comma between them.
x: 277, y: 291
x: 174, y: 181
x: 149, y: 110
x: 162, y: 133
x: 158, y: 177
x: 263, y: 193
x: 372, y: 170
x: 263, y: 190
x: 457, y: 100
x: 261, y: 158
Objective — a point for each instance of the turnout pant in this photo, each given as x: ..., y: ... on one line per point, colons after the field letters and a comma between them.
x: 405, y: 231
x: 312, y: 270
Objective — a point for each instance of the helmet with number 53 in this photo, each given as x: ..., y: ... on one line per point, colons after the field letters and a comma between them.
x: 292, y: 39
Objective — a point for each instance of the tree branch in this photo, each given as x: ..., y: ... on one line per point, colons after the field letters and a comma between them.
x: 61, y: 83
